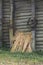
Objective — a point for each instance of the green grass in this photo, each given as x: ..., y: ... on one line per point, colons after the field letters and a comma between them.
x: 18, y: 56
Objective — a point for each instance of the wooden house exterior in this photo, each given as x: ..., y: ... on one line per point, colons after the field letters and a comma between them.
x: 14, y: 15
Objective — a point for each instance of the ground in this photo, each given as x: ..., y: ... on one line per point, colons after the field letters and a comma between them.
x: 18, y: 58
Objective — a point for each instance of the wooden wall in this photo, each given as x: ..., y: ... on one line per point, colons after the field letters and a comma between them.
x: 0, y: 23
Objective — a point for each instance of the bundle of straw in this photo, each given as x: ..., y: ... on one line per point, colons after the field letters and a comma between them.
x: 22, y: 42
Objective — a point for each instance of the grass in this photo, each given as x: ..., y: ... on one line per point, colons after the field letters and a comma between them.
x: 18, y: 56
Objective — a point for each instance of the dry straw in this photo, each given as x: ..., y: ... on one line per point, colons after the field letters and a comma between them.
x: 22, y: 42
